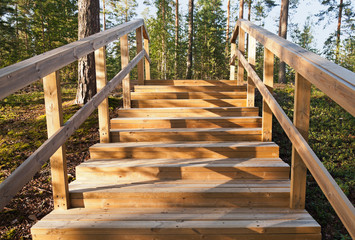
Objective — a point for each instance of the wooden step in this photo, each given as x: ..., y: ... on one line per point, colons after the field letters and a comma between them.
x: 187, y: 95
x: 192, y: 82
x: 186, y: 134
x: 184, y: 150
x: 189, y: 112
x: 162, y: 103
x: 187, y: 122
x: 180, y: 193
x: 182, y: 224
x: 166, y: 88
x: 115, y: 170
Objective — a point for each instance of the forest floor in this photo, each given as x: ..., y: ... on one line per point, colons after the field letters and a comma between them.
x: 23, y: 130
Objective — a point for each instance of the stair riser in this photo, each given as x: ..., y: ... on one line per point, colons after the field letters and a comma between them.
x: 189, y: 103
x: 186, y: 123
x: 178, y: 113
x: 192, y: 82
x: 178, y: 136
x: 179, y: 200
x: 183, y: 153
x: 189, y: 89
x: 131, y: 234
x: 143, y: 174
x: 189, y: 95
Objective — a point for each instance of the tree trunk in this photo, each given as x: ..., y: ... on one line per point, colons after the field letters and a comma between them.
x: 164, y: 40
x: 249, y: 17
x: 338, y: 32
x: 241, y: 9
x: 190, y: 32
x: 283, y: 34
x: 176, y: 38
x: 104, y: 14
x: 88, y: 24
x: 227, y: 30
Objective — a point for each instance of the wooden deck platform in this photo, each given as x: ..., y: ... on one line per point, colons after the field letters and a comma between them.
x: 187, y: 162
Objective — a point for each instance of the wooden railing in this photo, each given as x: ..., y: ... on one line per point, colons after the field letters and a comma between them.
x: 46, y: 66
x: 338, y: 83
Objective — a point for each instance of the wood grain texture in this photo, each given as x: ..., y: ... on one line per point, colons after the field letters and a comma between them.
x: 301, y: 121
x: 252, y: 62
x: 140, y: 66
x: 147, y: 61
x: 269, y: 83
x: 103, y: 108
x: 241, y: 48
x: 54, y: 117
x: 126, y: 84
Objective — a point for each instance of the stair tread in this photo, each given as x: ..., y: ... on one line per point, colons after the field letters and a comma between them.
x: 181, y: 186
x: 191, y: 108
x: 189, y: 130
x: 181, y: 118
x: 184, y: 144
x: 202, y: 162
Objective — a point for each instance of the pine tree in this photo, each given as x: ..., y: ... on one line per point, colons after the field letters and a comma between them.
x: 190, y: 37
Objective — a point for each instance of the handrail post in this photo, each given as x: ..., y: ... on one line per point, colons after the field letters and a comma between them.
x: 232, y: 66
x: 241, y: 48
x: 54, y: 117
x: 140, y: 66
x: 103, y: 108
x: 301, y: 122
x: 147, y: 63
x: 269, y: 82
x: 126, y: 85
x: 251, y: 60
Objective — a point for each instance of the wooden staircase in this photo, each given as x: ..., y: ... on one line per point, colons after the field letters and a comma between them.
x: 187, y: 162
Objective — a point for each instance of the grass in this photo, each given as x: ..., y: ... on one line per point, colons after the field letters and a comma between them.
x: 23, y: 130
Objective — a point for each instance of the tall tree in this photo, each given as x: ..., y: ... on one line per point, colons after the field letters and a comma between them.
x: 190, y: 40
x: 283, y: 33
x: 176, y: 38
x: 227, y: 29
x: 88, y: 24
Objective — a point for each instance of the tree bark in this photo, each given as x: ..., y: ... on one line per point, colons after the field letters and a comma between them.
x: 241, y: 9
x: 190, y: 33
x: 176, y: 38
x: 283, y: 34
x: 227, y: 30
x: 164, y: 40
x: 88, y: 24
x: 338, y: 32
x: 104, y: 14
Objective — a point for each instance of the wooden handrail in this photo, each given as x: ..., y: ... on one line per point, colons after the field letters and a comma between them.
x: 330, y: 188
x: 19, y: 75
x: 337, y: 82
x: 24, y: 173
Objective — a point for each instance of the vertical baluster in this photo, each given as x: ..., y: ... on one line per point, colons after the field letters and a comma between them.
x: 103, y: 108
x: 147, y: 64
x: 301, y: 121
x: 126, y: 85
x: 269, y: 82
x: 140, y: 66
x: 232, y: 66
x: 241, y: 48
x: 251, y: 60
x: 54, y: 117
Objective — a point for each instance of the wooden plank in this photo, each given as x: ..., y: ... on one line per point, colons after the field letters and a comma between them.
x: 252, y: 62
x: 126, y: 85
x: 232, y: 66
x: 194, y: 82
x: 187, y: 95
x: 140, y: 66
x: 162, y: 103
x: 301, y: 122
x: 103, y: 108
x: 341, y: 204
x: 156, y: 88
x: 337, y: 82
x: 19, y: 75
x: 54, y: 117
x: 269, y: 83
x: 187, y: 122
x: 145, y: 32
x: 241, y: 48
x: 147, y: 63
x: 24, y: 173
